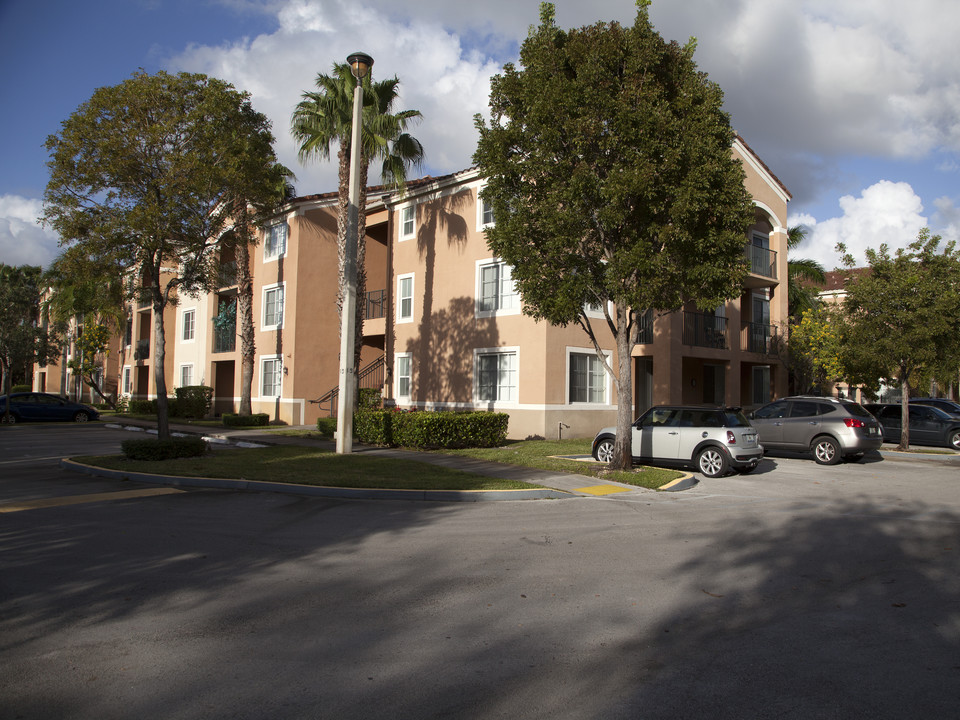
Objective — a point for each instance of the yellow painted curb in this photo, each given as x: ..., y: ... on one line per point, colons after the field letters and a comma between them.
x: 603, y: 489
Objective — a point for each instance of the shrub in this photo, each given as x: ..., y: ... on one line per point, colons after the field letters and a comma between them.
x: 369, y: 399
x: 255, y: 420
x: 154, y: 449
x: 20, y: 388
x: 327, y: 426
x: 143, y: 407
x: 193, y: 401
x: 450, y: 429
x: 373, y: 427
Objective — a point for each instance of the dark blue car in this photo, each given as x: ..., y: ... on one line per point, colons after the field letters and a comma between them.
x: 39, y: 406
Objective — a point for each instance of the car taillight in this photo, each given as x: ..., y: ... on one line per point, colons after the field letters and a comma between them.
x: 854, y: 423
x: 731, y: 438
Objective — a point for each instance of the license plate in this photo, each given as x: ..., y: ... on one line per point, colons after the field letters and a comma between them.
x: 874, y: 431
x: 749, y: 438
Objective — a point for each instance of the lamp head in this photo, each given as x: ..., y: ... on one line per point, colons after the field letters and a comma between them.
x: 360, y: 64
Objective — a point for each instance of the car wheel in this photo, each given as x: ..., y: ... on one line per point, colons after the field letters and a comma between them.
x: 604, y: 451
x: 712, y: 461
x: 953, y: 439
x: 826, y: 451
x: 12, y: 419
x: 81, y: 417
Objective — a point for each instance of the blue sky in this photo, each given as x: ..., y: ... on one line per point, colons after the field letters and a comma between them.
x: 854, y: 104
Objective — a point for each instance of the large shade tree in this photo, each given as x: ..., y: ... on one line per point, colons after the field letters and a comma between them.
x: 609, y: 167
x: 142, y: 176
x: 324, y: 118
x: 903, y: 316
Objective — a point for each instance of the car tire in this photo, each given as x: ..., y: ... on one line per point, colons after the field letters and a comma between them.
x: 826, y: 451
x: 953, y: 439
x: 604, y: 451
x: 81, y: 417
x: 12, y: 421
x: 712, y: 461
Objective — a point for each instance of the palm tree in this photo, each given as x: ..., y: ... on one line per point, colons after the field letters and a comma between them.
x: 324, y: 117
x: 803, y: 275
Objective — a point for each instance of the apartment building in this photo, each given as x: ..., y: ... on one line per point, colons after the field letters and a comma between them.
x: 444, y: 327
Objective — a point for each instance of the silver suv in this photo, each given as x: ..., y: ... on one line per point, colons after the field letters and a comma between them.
x: 830, y: 428
x: 712, y: 439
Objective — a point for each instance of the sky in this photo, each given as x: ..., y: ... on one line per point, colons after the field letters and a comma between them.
x: 853, y: 104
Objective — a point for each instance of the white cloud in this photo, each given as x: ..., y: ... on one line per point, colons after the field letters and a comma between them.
x: 947, y: 219
x: 22, y: 240
x: 886, y: 212
x: 447, y: 83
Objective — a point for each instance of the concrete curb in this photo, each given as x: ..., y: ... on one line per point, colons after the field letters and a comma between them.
x: 319, y: 490
x: 681, y: 483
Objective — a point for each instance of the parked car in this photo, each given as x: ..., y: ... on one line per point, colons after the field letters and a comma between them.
x: 711, y: 439
x: 928, y: 425
x: 830, y: 428
x: 948, y: 406
x: 43, y: 406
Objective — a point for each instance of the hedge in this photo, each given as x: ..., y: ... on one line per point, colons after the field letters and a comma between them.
x: 192, y: 401
x: 255, y: 420
x: 155, y: 449
x: 327, y: 426
x: 142, y: 407
x: 435, y: 430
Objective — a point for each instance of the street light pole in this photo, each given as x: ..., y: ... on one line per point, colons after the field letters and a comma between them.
x: 360, y: 64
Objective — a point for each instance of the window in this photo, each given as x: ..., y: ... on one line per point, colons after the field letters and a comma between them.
x: 272, y: 307
x: 496, y: 376
x: 275, y: 241
x: 128, y: 333
x: 188, y: 325
x: 403, y: 365
x: 126, y: 381
x: 496, y: 292
x: 408, y: 222
x: 484, y: 213
x: 186, y: 375
x: 588, y: 378
x: 405, y: 298
x: 271, y: 374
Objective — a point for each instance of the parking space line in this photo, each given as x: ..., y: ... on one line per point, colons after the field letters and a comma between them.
x: 81, y: 499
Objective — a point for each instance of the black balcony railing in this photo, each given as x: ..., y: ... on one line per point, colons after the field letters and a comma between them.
x: 645, y: 327
x: 758, y: 338
x: 225, y: 338
x: 763, y: 261
x: 376, y: 305
x: 705, y: 330
x: 142, y: 350
x: 227, y: 274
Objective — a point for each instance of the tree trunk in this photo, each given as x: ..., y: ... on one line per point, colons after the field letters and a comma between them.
x: 160, y: 378
x: 904, y: 415
x: 248, y: 348
x: 623, y: 448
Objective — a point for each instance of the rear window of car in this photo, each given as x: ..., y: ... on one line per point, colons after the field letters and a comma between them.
x: 735, y: 418
x: 855, y: 409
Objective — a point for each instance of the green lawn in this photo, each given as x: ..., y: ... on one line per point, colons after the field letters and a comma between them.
x: 310, y: 466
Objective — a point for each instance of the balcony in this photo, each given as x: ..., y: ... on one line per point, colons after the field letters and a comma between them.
x: 762, y: 264
x: 759, y: 338
x: 142, y: 350
x: 705, y: 330
x: 645, y: 327
x: 376, y: 305
x: 227, y: 274
x: 225, y: 338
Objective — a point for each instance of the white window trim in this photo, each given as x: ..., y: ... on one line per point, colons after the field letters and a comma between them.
x: 264, y: 359
x: 286, y: 242
x: 479, y: 290
x: 180, y: 378
x: 477, y: 352
x: 608, y: 354
x: 183, y: 324
x: 401, y: 211
x: 263, y: 305
x: 396, y: 379
x: 413, y: 285
x: 127, y: 379
x: 481, y: 225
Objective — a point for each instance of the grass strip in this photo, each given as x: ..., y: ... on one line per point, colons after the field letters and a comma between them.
x: 310, y: 466
x: 543, y: 455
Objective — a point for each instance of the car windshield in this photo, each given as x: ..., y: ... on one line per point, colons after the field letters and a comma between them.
x: 734, y: 418
x: 855, y: 409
